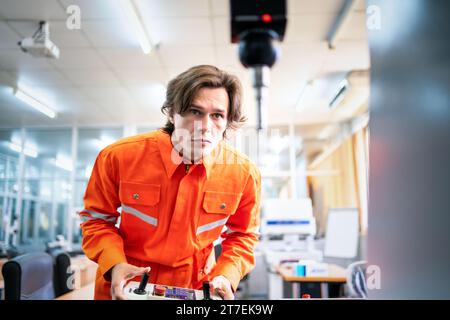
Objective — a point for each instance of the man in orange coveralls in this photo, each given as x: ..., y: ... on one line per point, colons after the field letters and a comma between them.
x: 178, y: 189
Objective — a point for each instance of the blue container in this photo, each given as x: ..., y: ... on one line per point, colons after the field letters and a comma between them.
x: 300, y: 270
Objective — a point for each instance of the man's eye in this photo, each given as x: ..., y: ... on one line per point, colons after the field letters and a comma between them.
x: 218, y: 116
x: 195, y: 112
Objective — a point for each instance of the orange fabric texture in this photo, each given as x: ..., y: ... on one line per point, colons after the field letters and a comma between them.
x: 170, y: 213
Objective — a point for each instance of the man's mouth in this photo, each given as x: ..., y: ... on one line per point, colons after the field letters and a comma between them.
x: 202, y: 141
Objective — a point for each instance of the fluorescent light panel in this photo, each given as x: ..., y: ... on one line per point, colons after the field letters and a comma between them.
x: 340, y: 94
x: 28, y: 151
x: 34, y: 103
x: 136, y: 25
x: 64, y: 163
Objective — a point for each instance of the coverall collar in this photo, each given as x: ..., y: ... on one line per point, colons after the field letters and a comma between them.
x: 172, y: 159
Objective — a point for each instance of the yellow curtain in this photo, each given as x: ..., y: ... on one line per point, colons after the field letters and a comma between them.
x: 347, y: 187
x: 361, y: 163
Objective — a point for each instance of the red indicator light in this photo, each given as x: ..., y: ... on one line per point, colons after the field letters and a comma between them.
x: 266, y: 18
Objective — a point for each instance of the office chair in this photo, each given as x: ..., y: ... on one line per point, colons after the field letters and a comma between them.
x: 356, y: 280
x: 12, y: 252
x: 29, y: 277
x: 61, y: 271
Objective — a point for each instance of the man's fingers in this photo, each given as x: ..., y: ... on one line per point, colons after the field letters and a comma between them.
x: 216, y: 284
x: 122, y: 276
x: 117, y: 291
x: 140, y: 271
x: 220, y: 292
x: 137, y: 272
x: 226, y: 294
x: 222, y: 289
x: 145, y: 270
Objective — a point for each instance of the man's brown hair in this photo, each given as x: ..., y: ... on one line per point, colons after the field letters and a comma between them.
x: 182, y: 90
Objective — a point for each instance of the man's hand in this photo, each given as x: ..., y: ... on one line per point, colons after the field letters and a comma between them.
x: 222, y: 287
x: 122, y: 273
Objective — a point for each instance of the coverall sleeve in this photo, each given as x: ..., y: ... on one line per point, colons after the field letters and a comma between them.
x: 237, y: 257
x: 102, y: 242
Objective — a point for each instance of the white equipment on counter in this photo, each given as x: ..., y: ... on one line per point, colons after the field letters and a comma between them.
x: 288, y: 228
x: 288, y: 216
x: 288, y: 225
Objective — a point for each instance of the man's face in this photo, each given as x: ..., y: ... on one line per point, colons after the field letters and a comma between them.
x: 201, y: 128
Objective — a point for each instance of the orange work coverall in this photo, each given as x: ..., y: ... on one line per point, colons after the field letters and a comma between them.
x: 170, y: 213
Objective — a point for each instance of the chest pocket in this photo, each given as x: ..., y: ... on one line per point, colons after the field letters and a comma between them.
x: 140, y: 208
x: 217, y: 208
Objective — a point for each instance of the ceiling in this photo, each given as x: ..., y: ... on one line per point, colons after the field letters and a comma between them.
x: 103, y: 77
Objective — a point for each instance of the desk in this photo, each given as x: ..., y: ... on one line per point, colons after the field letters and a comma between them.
x: 84, y: 293
x: 292, y: 285
x: 85, y: 270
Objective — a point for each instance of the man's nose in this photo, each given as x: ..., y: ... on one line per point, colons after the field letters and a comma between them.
x: 206, y: 124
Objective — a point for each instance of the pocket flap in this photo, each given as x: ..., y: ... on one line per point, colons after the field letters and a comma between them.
x: 139, y: 193
x: 221, y: 202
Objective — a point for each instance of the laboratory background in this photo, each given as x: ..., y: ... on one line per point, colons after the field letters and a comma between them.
x: 353, y: 150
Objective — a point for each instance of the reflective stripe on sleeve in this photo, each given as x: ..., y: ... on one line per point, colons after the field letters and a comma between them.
x: 212, y: 225
x: 140, y: 215
x: 97, y: 215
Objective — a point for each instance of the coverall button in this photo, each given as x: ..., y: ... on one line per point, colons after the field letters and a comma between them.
x: 136, y: 196
x: 223, y: 205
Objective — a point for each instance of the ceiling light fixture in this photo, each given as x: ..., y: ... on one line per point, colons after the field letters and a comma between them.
x: 339, y: 94
x: 63, y: 163
x: 136, y: 24
x: 28, y: 151
x: 34, y: 103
